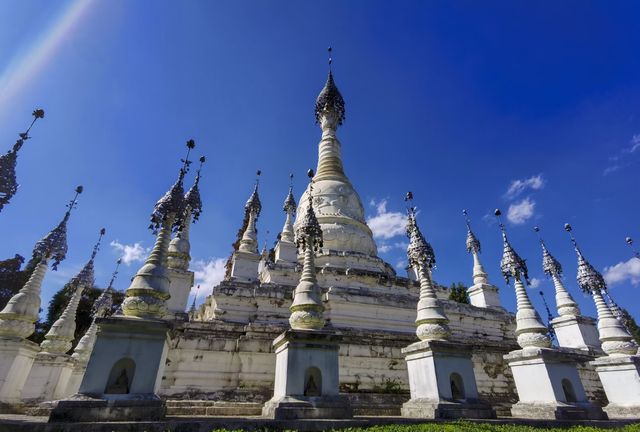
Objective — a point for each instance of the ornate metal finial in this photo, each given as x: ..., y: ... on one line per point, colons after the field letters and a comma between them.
x: 114, y: 274
x: 102, y: 305
x: 86, y: 276
x: 195, y: 297
x: 290, y: 202
x: 589, y: 279
x: 192, y: 197
x: 54, y: 244
x: 511, y: 265
x: 419, y: 252
x: 550, y: 265
x: 330, y: 98
x: 8, y: 161
x: 309, y: 233
x: 253, y: 204
x: 629, y: 241
x: 550, y: 329
x: 473, y: 244
x: 172, y: 203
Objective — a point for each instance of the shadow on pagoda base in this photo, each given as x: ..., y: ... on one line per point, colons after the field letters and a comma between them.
x: 442, y: 382
x: 430, y: 409
x: 123, y: 373
x: 549, y: 385
x: 557, y: 411
x: 301, y: 407
x: 84, y: 408
x: 307, y: 377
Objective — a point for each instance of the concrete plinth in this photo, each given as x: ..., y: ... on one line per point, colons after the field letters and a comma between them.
x: 307, y: 377
x: 442, y: 382
x: 48, y: 379
x: 620, y: 377
x: 549, y: 386
x: 123, y: 374
x: 245, y: 266
x: 577, y: 332
x: 16, y: 358
x: 180, y: 287
x: 484, y: 295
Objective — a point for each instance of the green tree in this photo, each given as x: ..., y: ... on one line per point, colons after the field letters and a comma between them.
x: 12, y: 278
x: 84, y: 315
x: 458, y: 293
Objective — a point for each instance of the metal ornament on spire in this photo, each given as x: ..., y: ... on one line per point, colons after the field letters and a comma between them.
x: 629, y: 241
x: 308, y: 232
x: 511, y: 265
x: 419, y: 252
x: 589, y: 279
x: 86, y: 276
x: 330, y: 99
x: 550, y: 265
x: 473, y: 244
x: 253, y: 204
x: 290, y: 205
x: 615, y: 338
x: 193, y: 203
x: 54, y: 244
x: 102, y: 305
x: 8, y: 161
x: 172, y: 203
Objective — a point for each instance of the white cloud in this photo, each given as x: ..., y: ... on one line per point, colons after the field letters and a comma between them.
x: 207, y: 274
x: 534, y: 283
x: 618, y: 160
x: 611, y: 169
x: 384, y: 224
x: 521, y: 211
x: 401, y: 265
x: 518, y: 186
x: 628, y: 271
x: 130, y: 253
x: 386, y: 247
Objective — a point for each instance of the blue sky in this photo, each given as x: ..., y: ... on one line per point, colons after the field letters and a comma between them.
x: 528, y: 105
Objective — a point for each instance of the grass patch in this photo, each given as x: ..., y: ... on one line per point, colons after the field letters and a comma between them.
x: 462, y: 426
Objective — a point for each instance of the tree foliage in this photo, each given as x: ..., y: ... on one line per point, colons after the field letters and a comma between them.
x: 12, y: 278
x: 84, y: 315
x: 458, y: 293
x: 631, y: 325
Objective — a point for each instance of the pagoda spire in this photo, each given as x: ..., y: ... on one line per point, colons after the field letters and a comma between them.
x: 101, y: 308
x: 564, y: 302
x: 180, y: 247
x: 253, y: 207
x: 18, y: 317
x: 431, y: 321
x: 8, y: 161
x: 615, y: 338
x: 530, y: 330
x: 330, y: 114
x: 473, y: 247
x: 192, y: 309
x: 307, y: 308
x: 58, y: 339
x: 146, y: 296
x: 289, y: 208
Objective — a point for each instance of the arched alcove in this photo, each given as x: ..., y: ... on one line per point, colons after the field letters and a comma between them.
x: 569, y: 392
x: 313, y: 382
x: 121, y: 377
x: 457, y: 386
